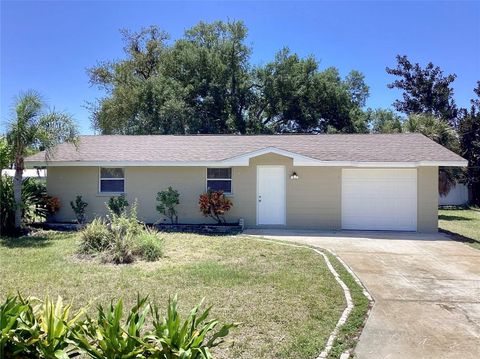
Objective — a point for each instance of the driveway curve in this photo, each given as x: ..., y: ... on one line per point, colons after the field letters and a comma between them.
x: 426, y: 289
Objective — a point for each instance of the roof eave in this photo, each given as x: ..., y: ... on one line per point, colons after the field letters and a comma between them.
x: 299, y: 162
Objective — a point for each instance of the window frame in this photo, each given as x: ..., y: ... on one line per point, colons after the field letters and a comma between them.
x: 100, y: 192
x: 220, y: 179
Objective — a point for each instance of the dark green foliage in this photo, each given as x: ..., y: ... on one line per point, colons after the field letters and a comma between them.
x: 359, y: 90
x: 6, y: 155
x: 441, y: 132
x: 118, y: 205
x: 434, y: 128
x: 31, y: 328
x: 79, y: 207
x: 204, y: 83
x: 425, y: 90
x: 168, y: 200
x: 384, y: 121
x: 469, y: 133
x: 295, y: 96
x: 34, y: 202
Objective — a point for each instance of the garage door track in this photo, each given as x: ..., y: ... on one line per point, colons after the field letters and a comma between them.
x: 426, y: 290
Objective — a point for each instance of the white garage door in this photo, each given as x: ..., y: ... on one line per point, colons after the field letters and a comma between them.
x: 379, y: 199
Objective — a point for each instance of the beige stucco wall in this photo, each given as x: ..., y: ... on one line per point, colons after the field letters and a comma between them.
x: 427, y: 199
x: 312, y: 201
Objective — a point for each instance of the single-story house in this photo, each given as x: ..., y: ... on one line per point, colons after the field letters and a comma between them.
x: 328, y: 182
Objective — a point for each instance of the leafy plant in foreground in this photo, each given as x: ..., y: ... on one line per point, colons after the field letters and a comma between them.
x: 10, y: 312
x: 109, y: 336
x: 36, y: 329
x: 30, y: 328
x: 192, y: 338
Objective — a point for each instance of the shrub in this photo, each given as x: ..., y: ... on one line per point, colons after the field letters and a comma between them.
x: 52, y: 204
x: 126, y: 222
x: 114, y: 238
x: 79, y: 208
x: 149, y: 245
x: 168, y: 199
x: 95, y: 237
x: 121, y: 250
x: 118, y: 205
x: 214, y: 204
x: 35, y: 202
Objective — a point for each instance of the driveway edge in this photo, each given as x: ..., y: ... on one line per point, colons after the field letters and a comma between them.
x: 348, y: 297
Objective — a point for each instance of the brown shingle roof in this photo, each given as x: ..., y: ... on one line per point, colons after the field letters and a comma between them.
x: 341, y: 147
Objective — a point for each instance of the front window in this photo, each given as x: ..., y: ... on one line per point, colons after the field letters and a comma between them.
x: 112, y: 180
x: 219, y: 179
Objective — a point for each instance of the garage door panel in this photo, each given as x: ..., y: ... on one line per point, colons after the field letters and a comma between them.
x: 379, y: 199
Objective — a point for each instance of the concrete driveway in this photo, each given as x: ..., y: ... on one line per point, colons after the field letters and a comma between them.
x: 426, y: 290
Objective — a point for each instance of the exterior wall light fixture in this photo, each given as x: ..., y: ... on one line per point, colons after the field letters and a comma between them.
x: 294, y: 176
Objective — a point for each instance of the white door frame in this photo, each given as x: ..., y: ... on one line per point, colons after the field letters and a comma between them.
x: 284, y: 199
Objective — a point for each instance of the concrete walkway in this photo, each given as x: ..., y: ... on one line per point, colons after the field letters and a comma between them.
x: 426, y: 290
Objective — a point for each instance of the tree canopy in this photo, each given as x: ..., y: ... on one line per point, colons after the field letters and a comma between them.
x: 469, y: 133
x: 425, y: 90
x: 204, y: 82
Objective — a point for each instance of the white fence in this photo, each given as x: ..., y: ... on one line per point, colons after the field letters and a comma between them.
x: 457, y: 196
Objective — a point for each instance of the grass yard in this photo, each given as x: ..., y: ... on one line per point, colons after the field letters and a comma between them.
x: 285, y: 297
x: 463, y: 222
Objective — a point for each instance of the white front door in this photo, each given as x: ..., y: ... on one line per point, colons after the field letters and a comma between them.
x: 379, y: 199
x: 270, y: 194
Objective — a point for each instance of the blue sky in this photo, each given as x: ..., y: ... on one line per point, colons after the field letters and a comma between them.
x: 47, y: 46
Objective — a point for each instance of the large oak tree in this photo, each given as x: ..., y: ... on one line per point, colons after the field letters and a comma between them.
x: 204, y: 82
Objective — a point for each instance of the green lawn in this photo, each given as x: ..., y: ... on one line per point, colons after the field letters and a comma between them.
x: 463, y: 222
x: 285, y: 297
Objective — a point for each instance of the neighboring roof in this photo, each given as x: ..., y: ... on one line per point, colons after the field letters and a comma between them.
x: 38, y: 173
x: 236, y: 149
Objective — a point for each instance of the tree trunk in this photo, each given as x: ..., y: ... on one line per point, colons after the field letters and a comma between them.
x: 17, y: 191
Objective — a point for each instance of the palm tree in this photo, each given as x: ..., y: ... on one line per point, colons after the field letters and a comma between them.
x: 441, y: 132
x: 35, y: 127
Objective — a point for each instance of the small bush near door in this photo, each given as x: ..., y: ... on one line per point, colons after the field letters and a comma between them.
x: 214, y: 204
